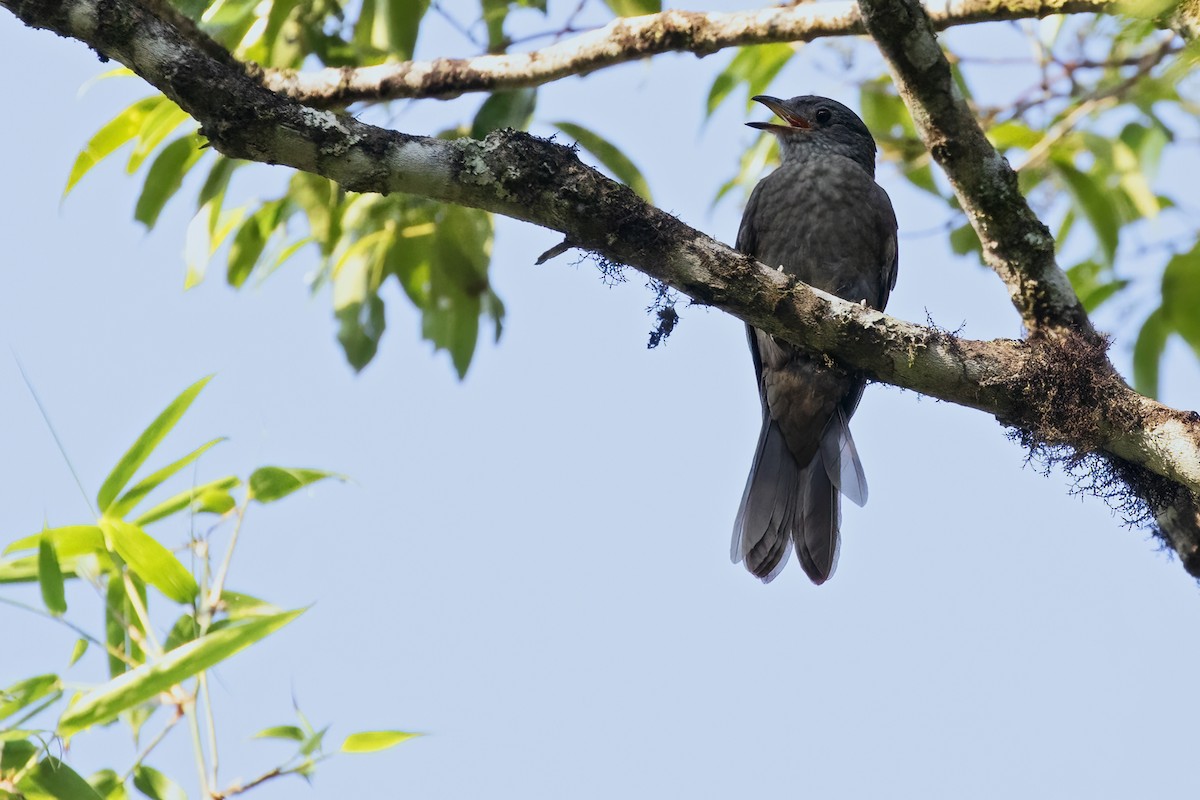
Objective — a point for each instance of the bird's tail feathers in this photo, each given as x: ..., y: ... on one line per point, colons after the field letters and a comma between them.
x: 817, y: 540
x: 842, y: 463
x: 770, y: 506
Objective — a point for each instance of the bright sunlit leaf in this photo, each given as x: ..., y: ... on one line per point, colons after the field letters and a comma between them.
x: 145, y: 444
x: 371, y: 741
x: 143, y: 683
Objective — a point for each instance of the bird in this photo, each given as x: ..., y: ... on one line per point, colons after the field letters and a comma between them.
x: 821, y: 218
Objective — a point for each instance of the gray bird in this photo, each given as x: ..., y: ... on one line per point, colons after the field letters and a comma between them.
x: 821, y: 218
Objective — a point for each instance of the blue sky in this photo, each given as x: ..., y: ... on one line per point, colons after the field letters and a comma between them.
x: 531, y: 565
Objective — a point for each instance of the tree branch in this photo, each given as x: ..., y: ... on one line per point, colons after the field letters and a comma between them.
x: 1016, y: 244
x: 1061, y: 388
x: 629, y: 39
x: 1019, y: 247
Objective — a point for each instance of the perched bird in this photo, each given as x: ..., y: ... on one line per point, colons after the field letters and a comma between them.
x: 821, y: 218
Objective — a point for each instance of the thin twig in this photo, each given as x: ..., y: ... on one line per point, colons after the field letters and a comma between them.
x: 189, y: 711
x: 210, y: 723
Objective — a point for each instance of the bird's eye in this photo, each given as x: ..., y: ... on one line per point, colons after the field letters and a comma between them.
x: 823, y: 115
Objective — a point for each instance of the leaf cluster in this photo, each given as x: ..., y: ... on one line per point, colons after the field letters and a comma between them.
x: 439, y: 255
x: 132, y: 572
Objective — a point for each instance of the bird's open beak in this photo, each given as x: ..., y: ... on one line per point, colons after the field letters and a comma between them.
x: 794, y: 121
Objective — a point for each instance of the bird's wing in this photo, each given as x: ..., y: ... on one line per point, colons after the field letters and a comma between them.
x: 747, y: 242
x: 887, y: 226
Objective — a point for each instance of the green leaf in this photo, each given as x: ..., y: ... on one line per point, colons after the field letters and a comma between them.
x: 81, y: 647
x: 155, y: 785
x: 360, y: 327
x: 921, y: 176
x: 507, y: 109
x: 313, y: 743
x: 1148, y: 352
x: 205, y: 497
x: 290, y: 732
x: 409, y: 257
x: 1148, y: 144
x: 462, y: 250
x: 155, y: 128
x: 390, y: 27
x: 755, y: 66
x: 250, y: 241
x: 241, y: 606
x: 453, y: 325
x: 149, y: 560
x: 268, y: 484
x: 23, y: 694
x: 108, y: 784
x: 754, y: 160
x: 357, y: 305
x: 218, y: 179
x: 885, y: 113
x: 1095, y: 203
x: 148, y: 484
x: 16, y: 755
x: 634, y: 8
x: 118, y: 617
x: 1181, y: 295
x: 139, y: 685
x: 372, y: 741
x: 1133, y: 182
x: 165, y: 177
x: 69, y: 540
x: 145, y: 444
x: 61, y: 782
x: 116, y: 132
x: 51, y: 579
x: 1013, y: 133
x: 322, y: 201
x: 613, y: 159
x: 494, y: 14
x: 963, y: 240
x: 183, y: 631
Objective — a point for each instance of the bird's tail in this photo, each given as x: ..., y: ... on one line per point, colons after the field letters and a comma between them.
x: 784, y: 503
x: 769, y: 505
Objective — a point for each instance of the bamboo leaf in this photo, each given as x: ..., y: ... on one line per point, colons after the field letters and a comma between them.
x: 139, y: 685
x: 50, y: 578
x: 25, y: 693
x: 156, y: 785
x: 372, y: 741
x: 205, y: 497
x: 145, y: 444
x: 149, y: 560
x: 61, y: 782
x: 151, y: 482
x: 268, y: 484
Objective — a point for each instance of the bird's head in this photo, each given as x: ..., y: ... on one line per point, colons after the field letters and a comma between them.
x: 815, y: 125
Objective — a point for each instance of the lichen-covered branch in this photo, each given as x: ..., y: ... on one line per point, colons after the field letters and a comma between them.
x: 630, y: 39
x: 1016, y: 244
x: 1061, y: 388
